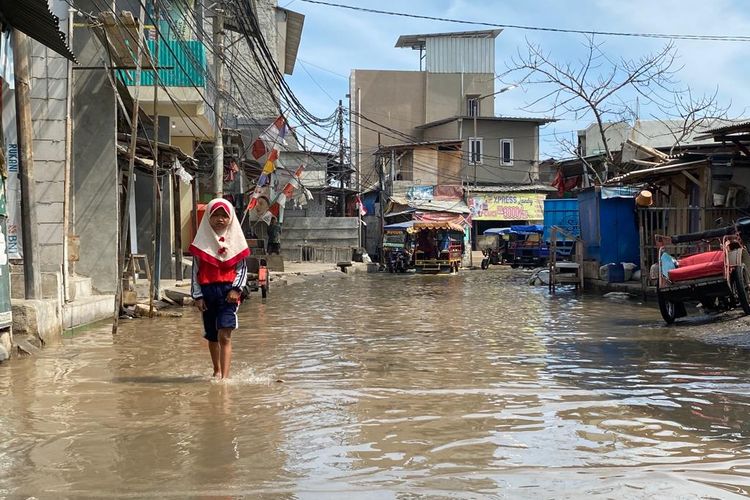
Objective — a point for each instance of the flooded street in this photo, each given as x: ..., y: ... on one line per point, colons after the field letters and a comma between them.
x: 393, y: 387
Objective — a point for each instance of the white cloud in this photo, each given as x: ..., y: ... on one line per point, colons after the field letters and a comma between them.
x: 341, y: 40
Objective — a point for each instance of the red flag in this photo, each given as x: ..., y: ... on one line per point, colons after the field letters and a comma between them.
x: 259, y: 148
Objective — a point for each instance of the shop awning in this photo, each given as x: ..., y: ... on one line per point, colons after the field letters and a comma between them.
x: 442, y: 225
x: 456, y: 206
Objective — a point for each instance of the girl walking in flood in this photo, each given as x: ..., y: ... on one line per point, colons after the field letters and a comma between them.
x: 219, y: 275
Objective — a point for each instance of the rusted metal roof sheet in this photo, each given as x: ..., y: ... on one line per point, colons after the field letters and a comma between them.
x: 34, y: 18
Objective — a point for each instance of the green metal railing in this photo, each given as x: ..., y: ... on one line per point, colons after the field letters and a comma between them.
x: 187, y: 58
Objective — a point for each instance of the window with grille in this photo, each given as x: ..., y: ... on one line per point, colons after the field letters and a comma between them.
x: 475, y: 150
x: 472, y: 105
x: 506, y: 151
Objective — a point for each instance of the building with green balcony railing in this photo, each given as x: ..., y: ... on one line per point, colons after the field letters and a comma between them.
x: 185, y: 58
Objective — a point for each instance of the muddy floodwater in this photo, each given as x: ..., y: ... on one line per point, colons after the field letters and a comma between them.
x: 381, y: 386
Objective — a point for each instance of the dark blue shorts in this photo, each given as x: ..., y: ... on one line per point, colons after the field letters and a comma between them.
x: 219, y: 313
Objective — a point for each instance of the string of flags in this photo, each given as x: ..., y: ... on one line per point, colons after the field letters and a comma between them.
x: 264, y: 204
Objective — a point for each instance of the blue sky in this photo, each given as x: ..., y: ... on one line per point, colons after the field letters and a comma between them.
x: 335, y: 41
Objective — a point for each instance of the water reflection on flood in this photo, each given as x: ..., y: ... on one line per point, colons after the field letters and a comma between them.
x: 393, y: 386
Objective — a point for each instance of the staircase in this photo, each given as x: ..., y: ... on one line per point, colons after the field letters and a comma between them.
x: 85, y: 307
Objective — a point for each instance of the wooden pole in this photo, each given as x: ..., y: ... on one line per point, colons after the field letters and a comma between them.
x: 156, y: 198
x: 131, y: 177
x: 68, y: 166
x: 177, y: 204
x: 29, y: 231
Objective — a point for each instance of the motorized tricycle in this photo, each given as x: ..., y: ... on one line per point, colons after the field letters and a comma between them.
x: 494, y: 246
x: 527, y: 247
x: 438, y: 247
x: 397, y: 247
x: 709, y: 267
x: 257, y: 277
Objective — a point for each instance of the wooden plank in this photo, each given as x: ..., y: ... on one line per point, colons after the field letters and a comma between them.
x: 642, y: 219
x: 692, y: 178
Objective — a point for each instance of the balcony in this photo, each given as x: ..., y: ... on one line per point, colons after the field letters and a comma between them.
x: 186, y: 89
x: 187, y: 58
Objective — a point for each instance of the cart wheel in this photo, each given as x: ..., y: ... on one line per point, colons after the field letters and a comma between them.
x: 667, y: 308
x: 741, y: 283
x: 485, y: 263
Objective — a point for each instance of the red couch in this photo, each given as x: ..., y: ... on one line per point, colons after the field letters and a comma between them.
x: 700, y: 265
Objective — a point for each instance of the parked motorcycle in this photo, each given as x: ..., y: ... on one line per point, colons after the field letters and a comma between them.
x: 399, y: 261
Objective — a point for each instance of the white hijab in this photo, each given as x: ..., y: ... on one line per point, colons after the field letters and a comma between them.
x: 222, y: 250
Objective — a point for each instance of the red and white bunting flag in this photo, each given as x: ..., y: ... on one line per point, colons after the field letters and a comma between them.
x: 361, y: 207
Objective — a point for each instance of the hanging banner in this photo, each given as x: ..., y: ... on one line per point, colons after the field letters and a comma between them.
x: 507, y: 206
x: 13, y: 185
x: 420, y: 193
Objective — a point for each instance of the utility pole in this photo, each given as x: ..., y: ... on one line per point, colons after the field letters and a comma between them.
x: 32, y: 277
x: 218, y: 29
x: 342, y: 195
x: 381, y: 175
x: 473, y: 145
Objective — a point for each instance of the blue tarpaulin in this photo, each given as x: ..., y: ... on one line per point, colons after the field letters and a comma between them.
x: 497, y: 230
x: 534, y: 228
x: 399, y: 226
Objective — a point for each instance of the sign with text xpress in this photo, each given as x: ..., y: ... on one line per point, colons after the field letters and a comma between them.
x: 507, y: 206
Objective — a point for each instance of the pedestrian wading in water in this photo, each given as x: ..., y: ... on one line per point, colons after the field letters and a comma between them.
x: 219, y: 274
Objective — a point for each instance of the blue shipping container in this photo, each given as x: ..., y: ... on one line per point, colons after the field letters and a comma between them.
x: 562, y: 213
x: 609, y: 228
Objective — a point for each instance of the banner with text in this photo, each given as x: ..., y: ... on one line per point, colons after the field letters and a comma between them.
x: 12, y: 185
x: 507, y: 206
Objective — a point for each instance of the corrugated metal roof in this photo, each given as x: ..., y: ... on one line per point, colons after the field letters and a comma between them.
x: 728, y: 129
x: 460, y: 55
x: 294, y: 23
x: 418, y: 41
x: 407, y: 145
x: 521, y: 188
x: 442, y: 121
x: 451, y: 206
x: 34, y: 18
x: 648, y: 174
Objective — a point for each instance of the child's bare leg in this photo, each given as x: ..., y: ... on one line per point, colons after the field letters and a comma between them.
x: 215, y: 351
x: 225, y: 343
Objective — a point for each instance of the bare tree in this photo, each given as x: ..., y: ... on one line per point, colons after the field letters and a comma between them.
x: 690, y: 112
x: 596, y: 85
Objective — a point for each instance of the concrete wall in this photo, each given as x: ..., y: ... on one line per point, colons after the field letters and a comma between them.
x: 314, y: 208
x: 445, y: 94
x: 49, y: 81
x: 394, y: 99
x: 317, y: 231
x: 95, y: 173
x: 525, y: 136
x: 254, y: 100
x: 144, y: 217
